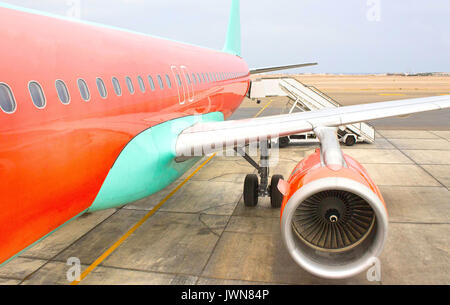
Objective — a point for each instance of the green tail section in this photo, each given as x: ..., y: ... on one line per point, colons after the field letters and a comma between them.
x: 233, y: 42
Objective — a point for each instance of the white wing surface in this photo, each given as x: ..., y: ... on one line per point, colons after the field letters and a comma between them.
x: 208, y: 137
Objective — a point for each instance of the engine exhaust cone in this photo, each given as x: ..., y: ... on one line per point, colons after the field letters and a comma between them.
x: 334, y: 227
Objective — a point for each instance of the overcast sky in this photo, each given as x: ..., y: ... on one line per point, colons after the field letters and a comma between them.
x: 346, y: 36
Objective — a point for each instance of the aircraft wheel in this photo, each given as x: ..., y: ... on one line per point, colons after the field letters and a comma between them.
x: 251, y: 190
x: 283, y: 142
x: 276, y: 198
x: 350, y: 141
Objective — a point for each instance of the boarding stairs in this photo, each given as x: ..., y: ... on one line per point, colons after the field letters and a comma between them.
x: 308, y: 98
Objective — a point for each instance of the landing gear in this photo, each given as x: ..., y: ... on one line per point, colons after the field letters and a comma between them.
x: 255, y: 187
x: 276, y: 198
x: 251, y: 190
x: 350, y: 140
x: 283, y: 142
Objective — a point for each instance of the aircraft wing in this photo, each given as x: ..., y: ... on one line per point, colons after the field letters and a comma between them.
x: 204, y: 138
x: 280, y: 68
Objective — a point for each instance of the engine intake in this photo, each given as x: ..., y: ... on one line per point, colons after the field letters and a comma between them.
x: 334, y: 222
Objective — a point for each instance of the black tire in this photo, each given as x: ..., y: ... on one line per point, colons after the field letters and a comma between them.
x: 350, y: 141
x: 276, y: 198
x: 251, y: 190
x: 283, y: 142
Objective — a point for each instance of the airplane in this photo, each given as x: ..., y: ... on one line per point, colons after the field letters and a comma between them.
x: 95, y: 117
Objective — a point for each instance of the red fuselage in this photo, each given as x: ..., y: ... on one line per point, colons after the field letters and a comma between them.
x: 54, y: 159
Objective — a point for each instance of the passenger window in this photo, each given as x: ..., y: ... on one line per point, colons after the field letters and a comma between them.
x: 62, y: 91
x: 101, y: 88
x: 84, y: 90
x: 179, y: 80
x: 129, y: 85
x: 194, y: 79
x: 188, y: 79
x: 161, y: 85
x: 152, y: 84
x: 116, y: 86
x: 169, y: 83
x: 141, y: 84
x: 7, y: 101
x: 199, y: 78
x: 37, y: 95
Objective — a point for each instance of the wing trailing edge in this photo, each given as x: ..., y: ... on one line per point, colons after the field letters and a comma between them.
x: 280, y: 68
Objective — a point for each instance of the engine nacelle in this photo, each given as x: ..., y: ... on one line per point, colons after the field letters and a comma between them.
x: 334, y: 221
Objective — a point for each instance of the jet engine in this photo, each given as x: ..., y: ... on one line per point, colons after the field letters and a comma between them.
x: 333, y: 218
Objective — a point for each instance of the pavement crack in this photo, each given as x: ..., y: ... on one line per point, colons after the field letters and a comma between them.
x: 212, y: 208
x: 217, y: 242
x: 437, y: 135
x: 414, y: 162
x: 206, y: 225
x: 53, y: 258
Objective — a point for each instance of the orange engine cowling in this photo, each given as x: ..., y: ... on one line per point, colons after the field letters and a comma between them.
x: 333, y: 218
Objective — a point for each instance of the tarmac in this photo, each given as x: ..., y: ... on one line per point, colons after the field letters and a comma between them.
x: 203, y: 234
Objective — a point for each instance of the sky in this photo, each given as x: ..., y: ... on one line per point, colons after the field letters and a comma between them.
x: 347, y: 36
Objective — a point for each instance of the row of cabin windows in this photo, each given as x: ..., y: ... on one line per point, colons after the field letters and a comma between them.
x: 8, y: 103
